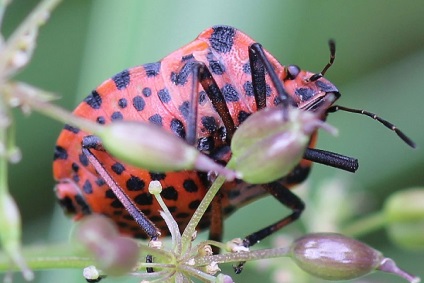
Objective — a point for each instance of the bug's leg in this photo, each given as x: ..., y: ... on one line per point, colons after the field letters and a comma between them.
x: 258, y: 62
x: 94, y: 143
x: 331, y: 159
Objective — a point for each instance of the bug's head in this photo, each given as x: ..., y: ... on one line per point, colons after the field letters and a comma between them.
x: 309, y: 90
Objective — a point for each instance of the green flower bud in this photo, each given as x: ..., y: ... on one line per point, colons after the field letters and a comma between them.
x: 114, y: 254
x: 150, y: 147
x: 404, y: 212
x: 333, y: 256
x: 267, y: 147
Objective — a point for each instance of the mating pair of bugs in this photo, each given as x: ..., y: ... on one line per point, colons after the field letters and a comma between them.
x: 201, y: 92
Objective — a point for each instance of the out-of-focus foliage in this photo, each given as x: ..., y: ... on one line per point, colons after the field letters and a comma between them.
x: 379, y: 67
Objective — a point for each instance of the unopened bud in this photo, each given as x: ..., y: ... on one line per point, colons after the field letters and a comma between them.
x: 333, y: 256
x: 267, y: 146
x: 404, y: 212
x: 150, y: 147
x: 114, y: 254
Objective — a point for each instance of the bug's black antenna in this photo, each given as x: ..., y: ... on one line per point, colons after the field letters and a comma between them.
x: 387, y: 124
x: 332, y: 45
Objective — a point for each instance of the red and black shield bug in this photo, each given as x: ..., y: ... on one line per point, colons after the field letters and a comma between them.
x: 201, y: 93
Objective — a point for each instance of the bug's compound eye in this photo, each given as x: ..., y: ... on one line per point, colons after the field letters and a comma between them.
x: 292, y: 72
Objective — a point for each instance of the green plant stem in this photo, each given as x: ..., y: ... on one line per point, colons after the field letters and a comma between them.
x: 200, y: 211
x: 30, y: 96
x: 242, y: 256
x: 37, y: 17
x: 365, y: 225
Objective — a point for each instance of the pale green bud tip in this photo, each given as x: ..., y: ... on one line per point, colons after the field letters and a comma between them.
x: 334, y: 257
x: 404, y: 215
x: 114, y: 254
x: 155, y: 187
x: 150, y: 147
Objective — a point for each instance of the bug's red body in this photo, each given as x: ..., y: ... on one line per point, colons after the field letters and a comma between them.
x: 159, y: 93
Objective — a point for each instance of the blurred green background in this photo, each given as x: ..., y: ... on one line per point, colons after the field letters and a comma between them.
x: 379, y: 67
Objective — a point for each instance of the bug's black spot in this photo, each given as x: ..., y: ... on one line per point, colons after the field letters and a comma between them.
x: 156, y: 119
x: 117, y: 212
x: 164, y: 95
x: 94, y: 100
x: 178, y: 128
x: 144, y: 199
x: 248, y: 88
x: 304, y: 93
x: 122, y: 103
x: 122, y: 224
x: 116, y: 116
x: 100, y: 182
x: 185, y: 109
x: 326, y: 87
x: 209, y: 123
x: 67, y: 205
x: 110, y: 194
x: 152, y: 69
x: 157, y: 176
x: 116, y: 204
x: 222, y: 38
x: 215, y: 65
x: 229, y: 209
x: 172, y: 208
x: 75, y: 167
x: 60, y: 153
x: 202, y: 97
x: 122, y: 79
x: 190, y: 186
x: 85, y: 208
x: 187, y: 57
x: 76, y: 178
x: 128, y: 217
x: 146, y: 212
x: 101, y: 120
x: 232, y: 194
x: 138, y: 103
x: 169, y: 193
x: 242, y: 115
x: 118, y: 168
x: 134, y: 183
x: 205, y: 144
x: 230, y: 93
x: 146, y: 91
x: 87, y: 188
x: 155, y: 219
x: 246, y: 68
x: 83, y: 159
x: 71, y: 129
x: 194, y: 204
x: 181, y: 77
x: 182, y: 215
x: 268, y: 90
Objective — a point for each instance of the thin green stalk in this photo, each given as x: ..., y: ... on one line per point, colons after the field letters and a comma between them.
x: 34, y: 20
x: 365, y: 225
x: 200, y: 211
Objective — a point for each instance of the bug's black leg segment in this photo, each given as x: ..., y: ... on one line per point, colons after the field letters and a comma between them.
x: 217, y: 221
x: 386, y: 123
x: 256, y: 50
x: 258, y: 79
x: 331, y: 159
x: 94, y: 143
x: 217, y: 98
x: 288, y: 199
